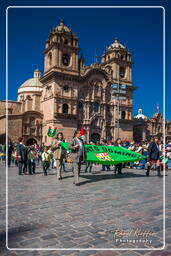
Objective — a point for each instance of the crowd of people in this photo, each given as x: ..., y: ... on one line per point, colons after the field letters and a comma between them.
x: 27, y: 158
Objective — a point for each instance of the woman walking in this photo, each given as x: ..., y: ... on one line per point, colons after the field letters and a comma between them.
x: 59, y: 153
x: 77, y: 155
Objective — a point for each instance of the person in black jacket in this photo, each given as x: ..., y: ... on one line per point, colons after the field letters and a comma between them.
x: 10, y: 150
x: 22, y: 157
x: 154, y: 156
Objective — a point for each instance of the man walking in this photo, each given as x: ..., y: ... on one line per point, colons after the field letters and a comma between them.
x: 154, y: 156
x: 77, y: 155
x: 22, y: 156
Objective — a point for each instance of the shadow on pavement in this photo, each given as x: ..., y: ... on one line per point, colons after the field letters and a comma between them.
x: 95, y: 178
x: 13, y: 234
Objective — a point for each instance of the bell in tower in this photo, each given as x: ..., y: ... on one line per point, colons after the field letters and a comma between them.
x: 61, y: 51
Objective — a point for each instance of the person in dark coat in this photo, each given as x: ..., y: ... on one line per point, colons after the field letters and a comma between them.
x: 154, y: 156
x: 10, y: 150
x: 22, y: 157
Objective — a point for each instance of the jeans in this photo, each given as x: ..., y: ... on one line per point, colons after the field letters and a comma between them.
x: 118, y: 167
x: 105, y: 167
x: 31, y: 166
x: 22, y: 167
x: 46, y: 165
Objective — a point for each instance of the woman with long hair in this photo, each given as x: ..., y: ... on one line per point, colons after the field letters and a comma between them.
x: 59, y: 154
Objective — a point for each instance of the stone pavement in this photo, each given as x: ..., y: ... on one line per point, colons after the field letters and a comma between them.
x: 46, y: 213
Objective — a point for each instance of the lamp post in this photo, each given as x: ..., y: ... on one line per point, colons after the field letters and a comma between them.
x: 118, y: 108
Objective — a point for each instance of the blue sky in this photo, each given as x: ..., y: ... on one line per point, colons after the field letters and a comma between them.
x: 141, y: 29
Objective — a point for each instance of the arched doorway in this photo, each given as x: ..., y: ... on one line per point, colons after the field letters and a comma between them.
x: 31, y: 141
x: 95, y: 138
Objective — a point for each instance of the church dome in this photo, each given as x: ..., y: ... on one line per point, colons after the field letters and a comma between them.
x: 62, y: 27
x: 116, y: 45
x: 32, y: 84
x: 140, y: 115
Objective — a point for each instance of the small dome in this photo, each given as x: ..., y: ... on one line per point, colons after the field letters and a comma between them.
x: 140, y: 115
x: 62, y: 27
x: 32, y: 84
x: 115, y: 45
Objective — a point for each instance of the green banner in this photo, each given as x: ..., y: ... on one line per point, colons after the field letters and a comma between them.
x: 108, y: 155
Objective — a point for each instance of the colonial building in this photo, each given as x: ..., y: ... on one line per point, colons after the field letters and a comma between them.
x: 145, y: 128
x: 70, y: 95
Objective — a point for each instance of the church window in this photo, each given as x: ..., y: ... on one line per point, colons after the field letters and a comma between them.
x: 28, y: 97
x: 80, y: 105
x: 96, y: 106
x: 50, y: 59
x: 123, y: 115
x: 65, y: 108
x: 66, y: 41
x: 108, y: 108
x: 122, y: 72
x: 65, y: 59
x: 122, y: 57
x: 66, y: 88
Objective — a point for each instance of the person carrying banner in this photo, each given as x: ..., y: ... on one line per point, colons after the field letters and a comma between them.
x: 105, y: 167
x: 118, y: 167
x: 77, y: 154
x: 154, y: 156
x: 59, y: 153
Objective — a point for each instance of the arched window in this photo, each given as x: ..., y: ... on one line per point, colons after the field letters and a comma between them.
x: 123, y: 115
x: 66, y: 88
x: 50, y: 59
x: 65, y: 108
x: 108, y: 108
x: 28, y: 97
x: 96, y: 106
x: 121, y: 72
x: 80, y: 105
x: 66, y: 41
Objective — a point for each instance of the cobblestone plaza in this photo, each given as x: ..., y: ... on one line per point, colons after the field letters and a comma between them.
x: 46, y: 213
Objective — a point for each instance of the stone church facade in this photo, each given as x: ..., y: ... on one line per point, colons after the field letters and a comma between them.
x: 70, y: 95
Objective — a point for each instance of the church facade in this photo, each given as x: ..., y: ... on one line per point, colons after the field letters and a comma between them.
x: 71, y: 95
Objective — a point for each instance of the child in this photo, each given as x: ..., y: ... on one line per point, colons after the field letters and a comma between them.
x: 46, y: 158
x: 31, y: 160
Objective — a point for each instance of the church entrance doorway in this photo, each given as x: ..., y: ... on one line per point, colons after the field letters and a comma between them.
x: 30, y: 141
x: 95, y: 138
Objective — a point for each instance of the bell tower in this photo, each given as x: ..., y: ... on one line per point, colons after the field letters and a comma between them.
x: 117, y: 61
x: 60, y: 81
x: 61, y: 51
